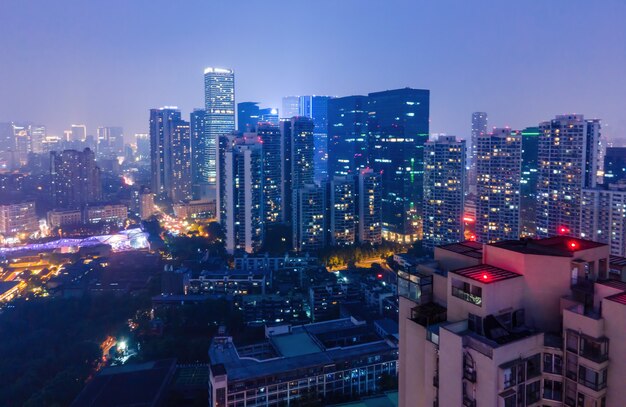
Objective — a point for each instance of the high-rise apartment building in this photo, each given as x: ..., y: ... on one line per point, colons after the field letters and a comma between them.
x: 479, y: 127
x: 370, y: 207
x: 219, y: 97
x: 347, y: 135
x: 444, y: 191
x: 309, y: 221
x: 18, y: 219
x: 342, y: 222
x: 271, y: 143
x: 298, y: 139
x: 529, y: 180
x: 170, y: 154
x: 603, y: 216
x: 514, y: 323
x: 568, y: 153
x: 316, y: 107
x: 199, y: 169
x: 142, y: 141
x: 290, y: 107
x: 498, y: 176
x: 75, y: 178
x: 397, y: 130
x: 241, y: 193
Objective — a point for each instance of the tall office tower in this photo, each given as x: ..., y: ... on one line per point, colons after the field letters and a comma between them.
x: 302, y: 156
x: 269, y: 115
x: 286, y: 191
x: 169, y: 152
x: 316, y: 107
x: 370, y: 207
x: 309, y: 225
x: 603, y: 216
x: 219, y: 98
x: 37, y: 138
x: 568, y: 148
x: 78, y: 132
x: 75, y: 177
x: 537, y: 322
x: 110, y: 142
x: 225, y: 143
x: 199, y: 170
x: 342, y: 211
x: 528, y: 187
x: 397, y: 130
x: 242, y: 194
x: 498, y: 173
x: 22, y: 143
x: 291, y: 107
x: 270, y: 138
x: 347, y: 135
x: 614, y: 165
x: 180, y: 189
x: 247, y: 116
x: 444, y: 191
x: 479, y: 127
x: 142, y: 140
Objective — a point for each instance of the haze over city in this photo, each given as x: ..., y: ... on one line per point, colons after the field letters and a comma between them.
x: 106, y: 63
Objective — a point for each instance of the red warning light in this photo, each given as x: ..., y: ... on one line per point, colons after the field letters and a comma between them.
x: 573, y: 245
x: 563, y: 230
x: 472, y: 237
x: 485, y: 277
x: 379, y: 276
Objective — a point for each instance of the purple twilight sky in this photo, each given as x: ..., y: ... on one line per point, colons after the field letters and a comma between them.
x: 107, y: 62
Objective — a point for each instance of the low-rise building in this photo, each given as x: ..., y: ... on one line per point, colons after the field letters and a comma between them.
x: 113, y: 213
x: 204, y: 209
x: 18, y: 218
x: 59, y: 218
x: 317, y: 363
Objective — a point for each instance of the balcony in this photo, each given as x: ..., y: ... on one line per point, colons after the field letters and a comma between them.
x: 466, y: 296
x: 593, y: 385
x: 429, y: 314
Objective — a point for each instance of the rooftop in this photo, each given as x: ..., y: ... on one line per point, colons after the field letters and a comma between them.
x: 619, y: 298
x: 295, y: 344
x: 6, y: 286
x: 617, y: 261
x: 486, y: 274
x: 138, y: 385
x: 467, y: 248
x: 564, y: 246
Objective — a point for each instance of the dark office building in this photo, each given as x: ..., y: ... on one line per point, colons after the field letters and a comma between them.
x: 347, y: 135
x: 270, y: 138
x: 614, y: 165
x: 199, y: 169
x: 397, y: 130
x: 528, y: 184
x: 248, y: 116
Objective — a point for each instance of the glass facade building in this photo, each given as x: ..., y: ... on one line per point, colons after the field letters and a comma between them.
x: 316, y: 107
x: 347, y: 135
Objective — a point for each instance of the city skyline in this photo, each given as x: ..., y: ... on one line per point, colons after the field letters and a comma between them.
x: 490, y: 80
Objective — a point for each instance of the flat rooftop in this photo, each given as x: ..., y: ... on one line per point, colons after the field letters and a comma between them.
x: 467, y: 248
x: 564, y: 246
x: 619, y: 298
x: 6, y: 286
x: 617, y: 261
x: 295, y: 344
x: 137, y: 385
x: 486, y: 274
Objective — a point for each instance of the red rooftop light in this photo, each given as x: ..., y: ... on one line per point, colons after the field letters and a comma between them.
x: 563, y: 230
x: 485, y: 277
x: 573, y: 245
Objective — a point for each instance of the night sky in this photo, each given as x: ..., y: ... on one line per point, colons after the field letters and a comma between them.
x: 105, y: 63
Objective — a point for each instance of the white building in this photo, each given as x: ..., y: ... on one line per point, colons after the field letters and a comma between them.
x: 603, y: 217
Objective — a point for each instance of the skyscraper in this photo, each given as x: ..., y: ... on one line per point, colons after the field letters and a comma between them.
x: 170, y: 154
x: 270, y: 138
x: 37, y: 137
x: 309, y: 231
x: 342, y: 210
x: 498, y: 174
x: 603, y: 216
x: 301, y: 148
x: 444, y: 191
x: 242, y: 194
x: 316, y: 107
x: 199, y: 170
x: 479, y: 127
x: 75, y: 178
x: 247, y: 116
x: 568, y: 149
x: 528, y: 184
x: 347, y: 135
x: 219, y: 97
x: 370, y: 207
x: 397, y: 130
x: 142, y: 140
x: 110, y: 141
x: 291, y: 107
x: 614, y: 165
x: 78, y: 132
x: 180, y: 188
